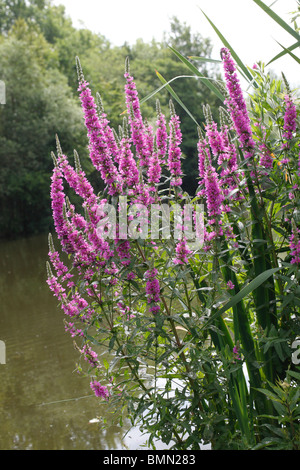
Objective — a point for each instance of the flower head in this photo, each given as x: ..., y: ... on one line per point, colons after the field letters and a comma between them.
x: 236, y: 353
x: 100, y: 144
x: 141, y: 137
x: 100, y: 390
x: 182, y: 252
x: 214, y: 196
x: 295, y: 244
x: 237, y: 104
x: 153, y: 290
x: 174, y: 157
x: 290, y: 118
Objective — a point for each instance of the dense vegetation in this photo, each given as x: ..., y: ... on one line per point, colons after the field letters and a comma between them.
x: 38, y: 45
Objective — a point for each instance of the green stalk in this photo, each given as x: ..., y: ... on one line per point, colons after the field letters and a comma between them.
x: 241, y: 323
x: 240, y: 411
x: 261, y: 294
x: 238, y: 389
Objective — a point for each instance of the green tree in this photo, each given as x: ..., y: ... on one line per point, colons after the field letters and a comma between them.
x: 12, y: 10
x: 39, y: 104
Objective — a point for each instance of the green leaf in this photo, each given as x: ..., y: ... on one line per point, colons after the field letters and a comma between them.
x: 290, y: 53
x: 286, y: 51
x: 175, y: 96
x: 244, y: 70
x: 281, y: 410
x: 154, y: 92
x: 205, y: 59
x: 106, y: 364
x: 270, y: 395
x: 254, y: 284
x: 266, y: 442
x: 294, y: 374
x: 202, y: 77
x: 277, y: 18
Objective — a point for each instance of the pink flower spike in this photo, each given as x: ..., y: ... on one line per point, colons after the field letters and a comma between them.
x: 100, y: 145
x: 174, y: 158
x: 237, y: 105
x: 153, y: 290
x: 182, y: 252
x: 290, y: 118
x: 99, y: 390
x: 140, y: 135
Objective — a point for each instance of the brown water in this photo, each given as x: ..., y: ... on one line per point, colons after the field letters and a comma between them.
x: 44, y: 403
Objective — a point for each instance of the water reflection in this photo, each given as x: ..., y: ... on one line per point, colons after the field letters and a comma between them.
x: 39, y: 387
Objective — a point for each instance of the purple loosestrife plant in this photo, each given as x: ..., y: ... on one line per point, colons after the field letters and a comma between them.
x: 189, y: 328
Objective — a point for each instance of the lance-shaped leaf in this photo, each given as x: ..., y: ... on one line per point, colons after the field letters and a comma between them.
x: 195, y: 71
x: 175, y: 96
x: 287, y: 50
x: 242, y: 67
x: 205, y: 59
x: 254, y: 284
x: 278, y: 20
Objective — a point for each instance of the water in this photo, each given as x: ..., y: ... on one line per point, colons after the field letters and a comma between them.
x: 44, y: 403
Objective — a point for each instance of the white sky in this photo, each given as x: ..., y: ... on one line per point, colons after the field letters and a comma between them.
x: 249, y: 30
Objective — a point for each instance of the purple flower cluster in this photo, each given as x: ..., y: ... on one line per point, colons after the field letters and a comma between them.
x: 77, y: 235
x: 267, y: 157
x: 290, y: 118
x: 161, y: 134
x: 225, y: 152
x: 182, y: 252
x: 237, y: 105
x: 100, y: 390
x: 157, y: 158
x: 127, y: 165
x: 90, y: 356
x: 213, y: 192
x: 174, y: 156
x: 215, y: 139
x: 203, y: 156
x: 74, y: 305
x: 153, y: 290
x: 236, y: 353
x: 218, y: 189
x: 295, y: 245
x: 141, y: 136
x: 100, y: 141
x: 123, y: 250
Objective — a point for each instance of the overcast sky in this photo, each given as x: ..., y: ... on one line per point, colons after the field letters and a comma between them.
x: 249, y: 30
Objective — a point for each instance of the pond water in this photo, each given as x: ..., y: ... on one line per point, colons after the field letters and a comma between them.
x: 44, y: 403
